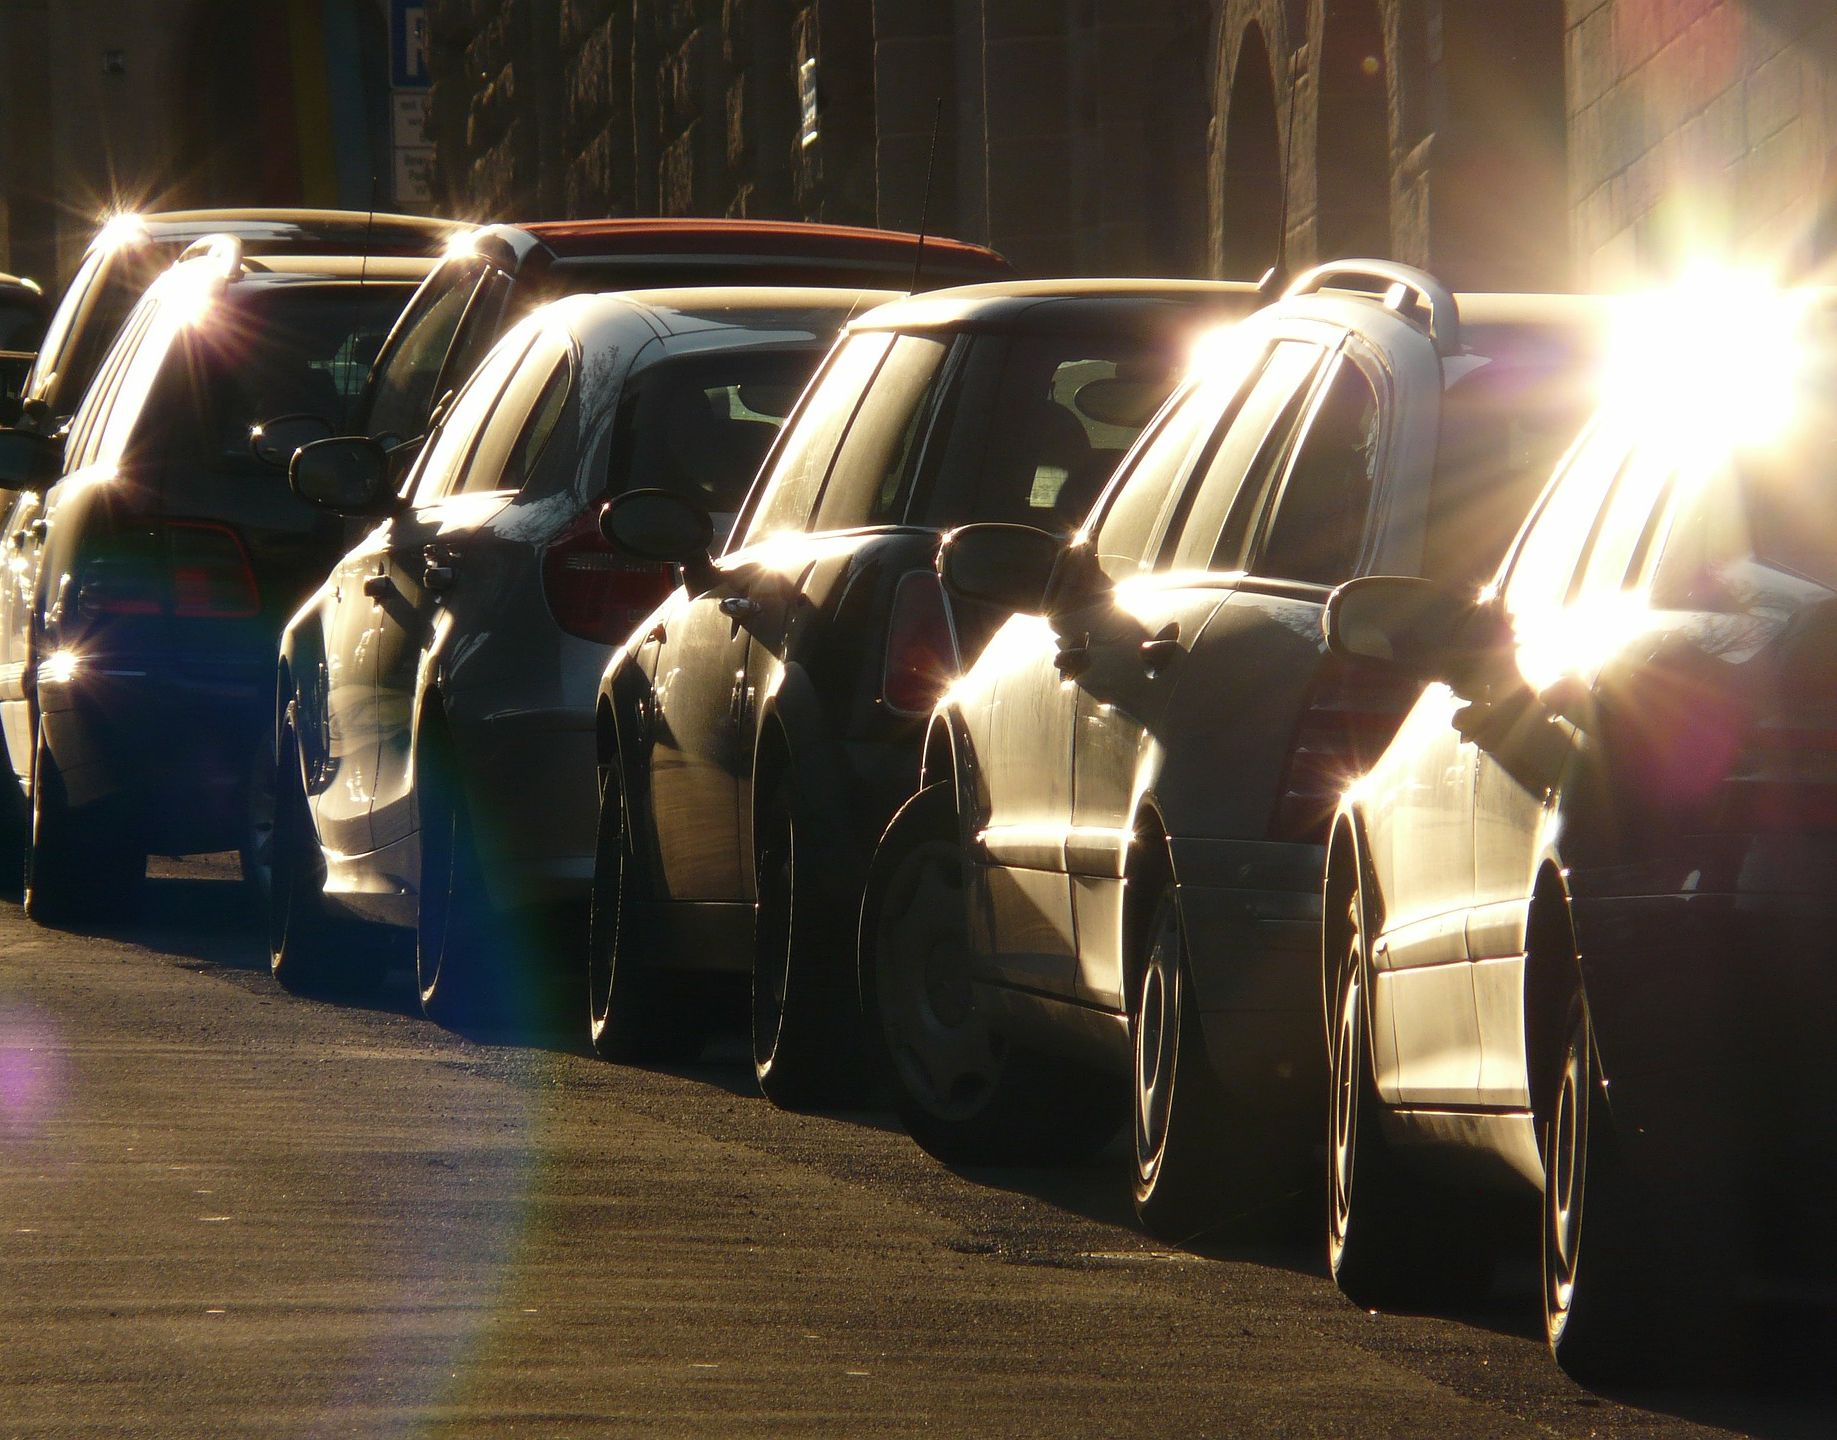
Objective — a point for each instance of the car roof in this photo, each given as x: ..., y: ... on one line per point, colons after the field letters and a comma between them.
x: 410, y: 268
x: 689, y: 309
x: 1046, y: 304
x: 299, y: 231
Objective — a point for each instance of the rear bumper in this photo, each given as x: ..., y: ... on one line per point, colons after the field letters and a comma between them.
x: 179, y: 750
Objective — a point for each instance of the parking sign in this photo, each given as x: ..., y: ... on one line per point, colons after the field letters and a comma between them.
x: 408, y: 61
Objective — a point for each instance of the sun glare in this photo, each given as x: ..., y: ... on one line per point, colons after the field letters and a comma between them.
x: 1711, y: 364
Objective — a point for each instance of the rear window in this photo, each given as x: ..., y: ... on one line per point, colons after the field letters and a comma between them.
x: 263, y: 353
x: 1036, y: 426
x: 701, y: 427
x: 1505, y: 423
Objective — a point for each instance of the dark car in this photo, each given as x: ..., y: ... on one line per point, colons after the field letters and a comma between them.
x: 495, y: 276
x: 764, y: 723
x: 1579, y: 914
x: 1112, y: 868
x: 129, y: 250
x: 151, y: 567
x: 22, y: 323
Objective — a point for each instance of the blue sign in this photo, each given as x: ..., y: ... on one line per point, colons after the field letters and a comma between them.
x: 408, y: 45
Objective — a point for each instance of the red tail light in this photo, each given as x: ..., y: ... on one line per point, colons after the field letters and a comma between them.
x: 1350, y: 717
x: 921, y: 646
x: 595, y: 592
x: 194, y: 569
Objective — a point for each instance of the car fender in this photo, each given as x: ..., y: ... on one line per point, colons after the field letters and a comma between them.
x: 792, y: 715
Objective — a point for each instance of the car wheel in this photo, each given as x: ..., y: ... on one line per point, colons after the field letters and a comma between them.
x: 1392, y: 1238
x: 637, y: 1013
x: 1615, y: 1307
x: 459, y: 937
x: 310, y: 950
x: 1183, y: 1184
x: 256, y: 852
x: 965, y: 1093
x: 80, y: 865
x: 805, y: 1025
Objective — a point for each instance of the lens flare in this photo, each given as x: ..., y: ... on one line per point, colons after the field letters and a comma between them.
x: 60, y: 666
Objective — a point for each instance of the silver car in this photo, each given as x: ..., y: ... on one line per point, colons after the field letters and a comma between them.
x: 434, y: 722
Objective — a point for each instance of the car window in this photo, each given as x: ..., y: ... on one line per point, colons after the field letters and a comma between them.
x: 402, y: 390
x: 145, y: 347
x: 1544, y: 566
x: 86, y: 425
x: 701, y: 426
x: 868, y: 484
x: 530, y: 403
x: 1318, y: 524
x: 57, y: 334
x: 1639, y: 497
x: 450, y: 446
x: 1266, y: 406
x: 1036, y: 426
x: 1138, y: 500
x: 803, y: 461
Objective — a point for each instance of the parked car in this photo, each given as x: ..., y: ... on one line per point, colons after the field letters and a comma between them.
x: 22, y: 322
x: 494, y: 276
x: 130, y: 250
x: 762, y: 726
x: 1112, y: 865
x: 152, y: 560
x: 1578, y: 913
x: 436, y: 694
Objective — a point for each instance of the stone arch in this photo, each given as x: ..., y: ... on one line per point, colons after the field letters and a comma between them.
x: 1250, y: 195
x: 1352, y: 159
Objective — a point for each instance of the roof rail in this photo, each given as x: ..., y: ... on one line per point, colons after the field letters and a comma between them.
x: 1414, y: 294
x: 226, y: 250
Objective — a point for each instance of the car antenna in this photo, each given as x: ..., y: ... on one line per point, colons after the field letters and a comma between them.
x: 363, y: 264
x: 931, y: 161
x: 1274, y: 276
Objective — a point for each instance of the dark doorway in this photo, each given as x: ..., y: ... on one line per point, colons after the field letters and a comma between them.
x: 1352, y: 158
x: 1251, y: 203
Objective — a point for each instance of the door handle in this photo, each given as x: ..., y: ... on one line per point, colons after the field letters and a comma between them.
x: 1163, y: 649
x: 1073, y: 656
x: 378, y: 587
x: 437, y: 577
x: 740, y: 607
x: 37, y: 529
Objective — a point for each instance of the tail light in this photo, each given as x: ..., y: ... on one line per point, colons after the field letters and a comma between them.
x: 594, y: 591
x: 922, y: 653
x: 1350, y: 716
x: 193, y: 569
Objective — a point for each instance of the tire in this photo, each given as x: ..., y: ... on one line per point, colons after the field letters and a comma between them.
x: 1393, y: 1239
x: 1184, y: 1183
x: 461, y: 965
x: 15, y: 828
x: 256, y: 852
x: 79, y: 865
x: 806, y: 1022
x: 1617, y: 1307
x: 636, y: 1012
x: 311, y: 951
x: 965, y: 1093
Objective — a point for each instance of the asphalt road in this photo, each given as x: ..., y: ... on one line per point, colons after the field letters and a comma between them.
x: 227, y: 1211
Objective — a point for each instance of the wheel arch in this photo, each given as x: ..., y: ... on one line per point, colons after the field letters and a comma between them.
x: 1552, y: 977
x: 1151, y: 860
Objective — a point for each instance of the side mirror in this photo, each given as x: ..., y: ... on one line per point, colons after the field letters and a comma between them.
x: 1007, y: 566
x: 1427, y: 629
x: 662, y: 525
x: 29, y: 461
x: 349, y: 475
x: 273, y: 442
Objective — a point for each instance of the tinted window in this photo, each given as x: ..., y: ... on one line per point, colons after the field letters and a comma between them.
x: 803, y: 463
x: 869, y: 482
x: 702, y: 427
x: 450, y: 446
x: 520, y: 424
x: 21, y: 320
x: 403, y: 392
x: 1319, y: 520
x: 1037, y: 426
x: 1140, y: 498
x: 1626, y: 527
x: 1268, y: 408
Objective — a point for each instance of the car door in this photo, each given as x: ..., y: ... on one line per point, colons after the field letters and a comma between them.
x: 698, y: 746
x: 1145, y: 652
x: 1569, y: 597
x: 438, y: 554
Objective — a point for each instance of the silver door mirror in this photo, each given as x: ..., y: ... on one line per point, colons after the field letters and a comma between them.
x: 349, y: 475
x: 1428, y: 629
x: 662, y: 525
x: 1007, y: 566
